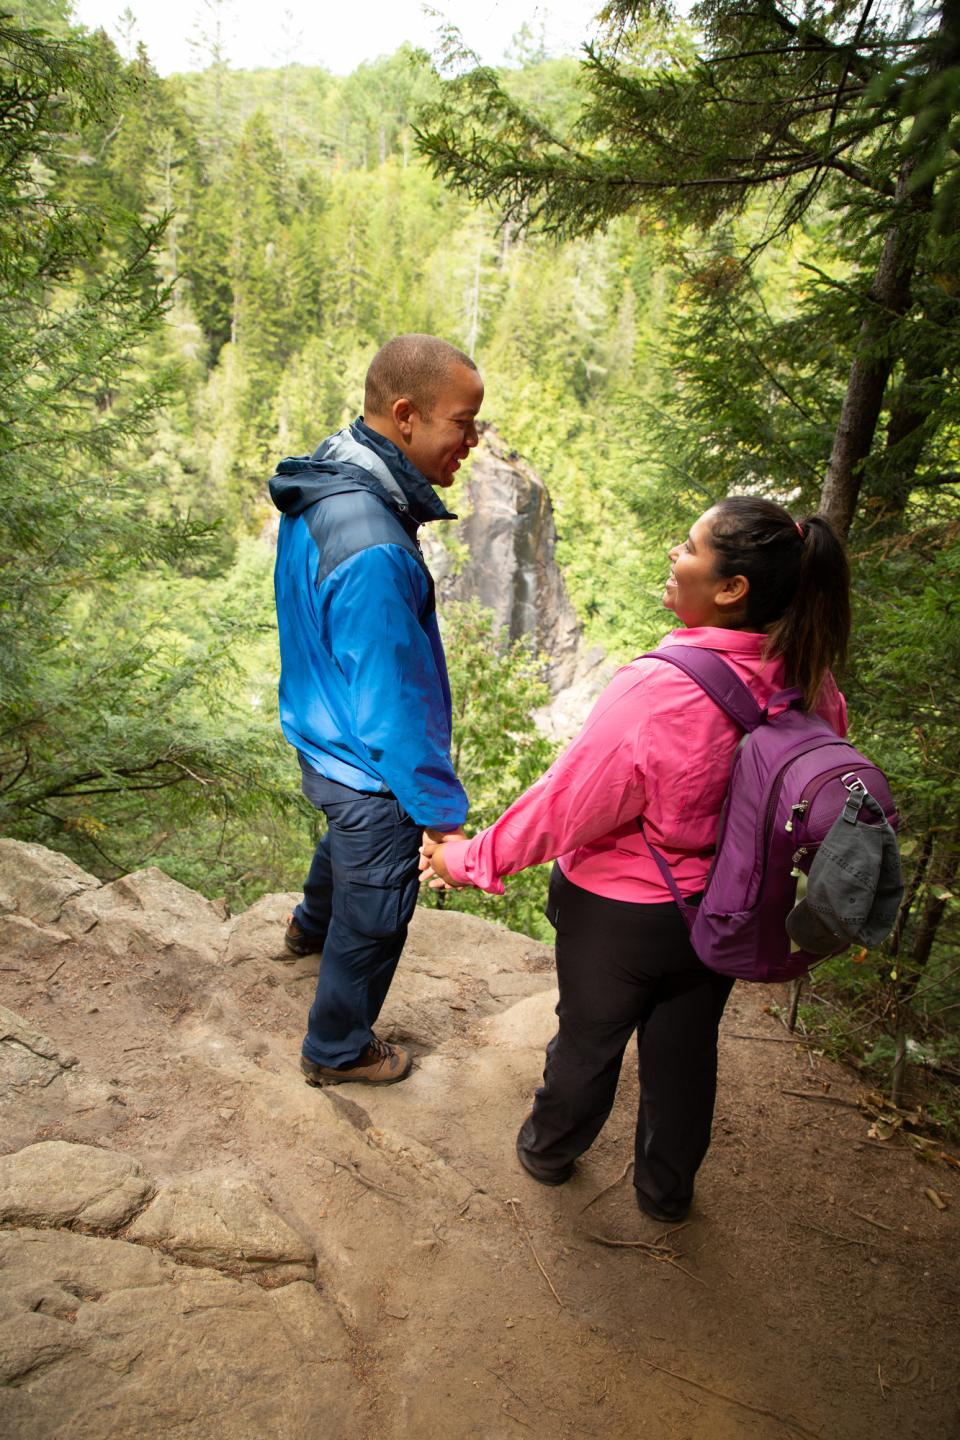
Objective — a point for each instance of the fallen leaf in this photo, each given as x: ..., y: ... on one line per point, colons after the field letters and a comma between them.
x: 925, y: 1149
x: 883, y: 1129
x: 935, y: 1198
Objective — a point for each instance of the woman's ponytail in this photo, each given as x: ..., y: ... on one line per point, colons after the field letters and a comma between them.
x: 799, y: 584
x: 813, y: 633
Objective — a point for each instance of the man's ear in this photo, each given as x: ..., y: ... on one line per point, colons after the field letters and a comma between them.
x: 732, y: 593
x: 403, y: 411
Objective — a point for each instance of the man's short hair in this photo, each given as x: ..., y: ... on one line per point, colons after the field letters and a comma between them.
x: 414, y: 366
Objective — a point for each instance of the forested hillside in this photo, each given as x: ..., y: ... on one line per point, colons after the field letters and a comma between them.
x: 197, y: 270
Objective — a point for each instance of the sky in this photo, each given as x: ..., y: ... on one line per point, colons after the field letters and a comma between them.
x: 339, y: 36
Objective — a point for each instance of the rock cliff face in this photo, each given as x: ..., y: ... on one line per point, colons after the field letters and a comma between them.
x: 509, y: 563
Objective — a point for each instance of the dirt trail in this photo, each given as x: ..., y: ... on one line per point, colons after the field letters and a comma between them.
x: 813, y: 1293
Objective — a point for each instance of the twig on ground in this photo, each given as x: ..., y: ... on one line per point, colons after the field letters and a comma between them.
x: 513, y: 1206
x: 56, y: 970
x: 353, y: 1169
x: 870, y: 1221
x: 815, y: 1095
x: 883, y: 1388
x: 516, y: 1418
x: 497, y: 1376
x: 607, y: 1188
x: 656, y: 1250
x: 771, y: 1039
x: 785, y: 1420
x: 809, y: 1225
x: 831, y: 1234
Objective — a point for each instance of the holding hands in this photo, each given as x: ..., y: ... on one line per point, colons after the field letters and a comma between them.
x: 433, y: 868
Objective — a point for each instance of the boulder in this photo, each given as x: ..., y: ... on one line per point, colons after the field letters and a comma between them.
x: 81, y: 1186
x: 420, y: 1008
x: 104, y: 1340
x: 258, y: 932
x: 529, y: 1024
x: 450, y: 943
x: 28, y: 1060
x: 37, y: 882
x: 23, y: 940
x: 214, y: 1219
x: 147, y: 914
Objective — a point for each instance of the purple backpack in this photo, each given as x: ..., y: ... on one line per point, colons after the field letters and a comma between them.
x: 791, y: 778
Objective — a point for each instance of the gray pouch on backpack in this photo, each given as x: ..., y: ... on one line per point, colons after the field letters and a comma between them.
x: 855, y: 884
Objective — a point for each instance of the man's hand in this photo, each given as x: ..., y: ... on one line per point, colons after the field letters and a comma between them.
x: 437, y: 837
x: 433, y: 869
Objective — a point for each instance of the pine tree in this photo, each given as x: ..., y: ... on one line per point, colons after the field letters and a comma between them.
x: 104, y: 702
x: 847, y: 107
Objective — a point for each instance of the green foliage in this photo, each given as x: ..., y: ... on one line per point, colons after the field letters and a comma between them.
x: 497, y: 750
x: 106, y: 713
x: 805, y: 170
x: 695, y: 121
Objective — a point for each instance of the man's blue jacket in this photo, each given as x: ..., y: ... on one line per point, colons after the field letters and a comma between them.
x: 364, y: 694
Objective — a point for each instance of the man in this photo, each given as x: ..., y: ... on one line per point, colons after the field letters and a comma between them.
x: 364, y: 696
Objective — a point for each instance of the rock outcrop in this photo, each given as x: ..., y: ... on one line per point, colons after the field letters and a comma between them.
x: 77, y: 1187
x: 503, y: 553
x: 194, y: 1245
x: 509, y: 563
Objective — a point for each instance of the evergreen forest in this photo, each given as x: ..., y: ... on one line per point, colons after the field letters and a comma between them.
x: 715, y: 254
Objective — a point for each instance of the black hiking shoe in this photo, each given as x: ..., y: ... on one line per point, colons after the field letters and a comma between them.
x: 655, y: 1213
x: 298, y: 942
x: 543, y: 1173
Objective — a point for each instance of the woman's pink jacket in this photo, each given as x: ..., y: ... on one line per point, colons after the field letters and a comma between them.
x: 654, y: 746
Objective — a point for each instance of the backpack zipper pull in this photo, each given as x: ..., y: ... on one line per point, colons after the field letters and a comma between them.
x: 796, y: 812
x: 797, y: 857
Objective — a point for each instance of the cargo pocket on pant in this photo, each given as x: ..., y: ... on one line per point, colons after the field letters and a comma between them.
x: 378, y: 901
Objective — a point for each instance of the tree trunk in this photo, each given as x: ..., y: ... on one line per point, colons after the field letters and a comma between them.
x: 899, y: 1059
x: 796, y: 990
x: 889, y: 299
x: 943, y: 872
x: 906, y: 435
x: 910, y: 895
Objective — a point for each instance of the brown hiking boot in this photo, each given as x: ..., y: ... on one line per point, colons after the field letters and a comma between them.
x: 380, y: 1064
x: 298, y: 942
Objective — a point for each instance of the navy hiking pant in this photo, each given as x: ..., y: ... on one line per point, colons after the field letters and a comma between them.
x: 623, y: 967
x: 357, y: 902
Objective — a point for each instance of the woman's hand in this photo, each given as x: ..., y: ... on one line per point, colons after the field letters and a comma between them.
x: 433, y: 867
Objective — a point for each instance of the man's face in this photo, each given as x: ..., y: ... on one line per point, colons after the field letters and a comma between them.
x: 438, y: 444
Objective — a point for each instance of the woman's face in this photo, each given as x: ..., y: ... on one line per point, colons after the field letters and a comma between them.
x: 694, y: 592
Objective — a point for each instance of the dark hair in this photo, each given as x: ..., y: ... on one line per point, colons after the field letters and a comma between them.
x: 414, y: 366
x: 799, y: 584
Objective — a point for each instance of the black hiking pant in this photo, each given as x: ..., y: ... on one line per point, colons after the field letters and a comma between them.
x: 623, y: 967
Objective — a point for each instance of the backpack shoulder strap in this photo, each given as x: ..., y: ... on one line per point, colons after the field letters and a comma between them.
x: 716, y: 679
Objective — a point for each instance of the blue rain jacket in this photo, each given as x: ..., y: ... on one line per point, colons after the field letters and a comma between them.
x: 364, y: 694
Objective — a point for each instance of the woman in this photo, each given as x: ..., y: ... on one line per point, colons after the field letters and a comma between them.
x: 771, y: 596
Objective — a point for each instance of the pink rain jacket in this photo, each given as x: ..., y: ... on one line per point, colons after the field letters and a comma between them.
x: 654, y: 746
